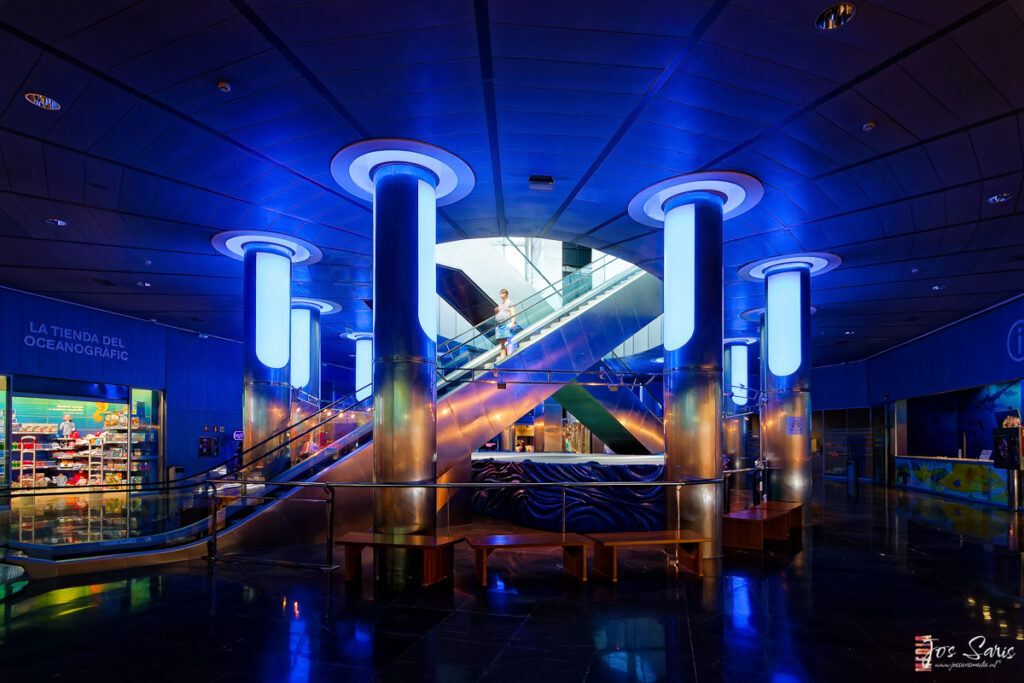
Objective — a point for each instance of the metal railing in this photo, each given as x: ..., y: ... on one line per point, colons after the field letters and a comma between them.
x: 328, y: 500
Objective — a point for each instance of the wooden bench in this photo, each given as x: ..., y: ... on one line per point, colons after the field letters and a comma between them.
x: 687, y: 546
x: 438, y: 553
x: 795, y: 510
x: 574, y: 549
x: 749, y: 528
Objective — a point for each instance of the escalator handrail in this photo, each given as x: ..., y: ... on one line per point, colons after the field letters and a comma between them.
x: 575, y: 277
x: 521, y: 307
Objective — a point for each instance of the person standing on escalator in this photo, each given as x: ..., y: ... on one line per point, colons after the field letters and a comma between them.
x: 505, y: 316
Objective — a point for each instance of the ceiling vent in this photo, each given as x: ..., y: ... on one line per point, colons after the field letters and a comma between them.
x: 542, y: 183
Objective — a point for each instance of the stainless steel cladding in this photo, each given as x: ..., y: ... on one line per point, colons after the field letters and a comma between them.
x: 693, y: 378
x: 404, y: 364
x: 786, y: 428
x: 266, y: 392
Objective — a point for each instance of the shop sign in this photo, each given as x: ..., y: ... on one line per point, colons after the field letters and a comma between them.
x: 78, y: 342
x: 1015, y: 341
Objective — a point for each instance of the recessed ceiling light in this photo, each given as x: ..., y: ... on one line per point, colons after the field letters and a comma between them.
x: 42, y: 101
x: 835, y: 16
x: 868, y: 126
x: 57, y: 222
x: 203, y: 335
x: 143, y: 283
x: 848, y: 332
x: 938, y: 288
x: 223, y: 86
x: 1000, y: 198
x: 147, y: 262
x: 915, y: 270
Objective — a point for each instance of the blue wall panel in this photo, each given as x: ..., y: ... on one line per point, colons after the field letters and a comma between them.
x: 985, y: 349
x: 201, y: 378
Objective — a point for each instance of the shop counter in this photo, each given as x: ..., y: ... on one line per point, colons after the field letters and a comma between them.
x: 975, y: 480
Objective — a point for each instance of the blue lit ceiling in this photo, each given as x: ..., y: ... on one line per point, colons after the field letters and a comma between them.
x: 148, y: 158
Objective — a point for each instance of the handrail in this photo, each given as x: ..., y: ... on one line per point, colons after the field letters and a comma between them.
x: 540, y: 296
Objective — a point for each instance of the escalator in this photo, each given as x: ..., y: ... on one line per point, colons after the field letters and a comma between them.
x: 562, y: 331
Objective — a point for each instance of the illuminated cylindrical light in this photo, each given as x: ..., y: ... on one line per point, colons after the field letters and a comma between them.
x: 273, y: 302
x: 739, y: 376
x: 784, y: 316
x: 679, y: 282
x: 300, y: 347
x: 364, y: 368
x: 427, y: 295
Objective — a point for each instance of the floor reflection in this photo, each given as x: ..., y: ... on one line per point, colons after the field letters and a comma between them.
x: 841, y: 604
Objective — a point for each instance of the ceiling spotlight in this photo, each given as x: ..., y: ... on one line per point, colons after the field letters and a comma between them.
x: 42, y: 101
x: 147, y: 262
x: 203, y: 335
x: 938, y: 288
x: 915, y: 270
x: 835, y: 16
x: 56, y: 222
x: 1000, y: 198
x: 223, y: 86
x: 143, y: 283
x: 848, y: 332
x: 868, y: 126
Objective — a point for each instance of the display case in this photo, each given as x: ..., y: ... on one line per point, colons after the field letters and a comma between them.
x: 67, y: 441
x: 144, y: 433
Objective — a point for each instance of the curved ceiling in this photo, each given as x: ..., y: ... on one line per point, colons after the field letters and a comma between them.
x: 147, y: 158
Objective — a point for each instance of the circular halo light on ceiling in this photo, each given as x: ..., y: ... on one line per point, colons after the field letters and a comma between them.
x: 356, y: 336
x: 42, y: 101
x: 56, y: 222
x: 233, y: 243
x: 836, y: 16
x: 1000, y: 198
x: 352, y: 167
x: 740, y: 192
x: 323, y: 305
x: 819, y: 263
x: 868, y: 126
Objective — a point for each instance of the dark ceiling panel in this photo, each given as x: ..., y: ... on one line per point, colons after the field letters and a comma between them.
x: 148, y: 159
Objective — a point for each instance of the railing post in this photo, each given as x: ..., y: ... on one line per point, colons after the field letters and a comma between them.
x: 212, y: 544
x: 725, y: 493
x: 679, y: 490
x: 563, y: 510
x: 330, y: 526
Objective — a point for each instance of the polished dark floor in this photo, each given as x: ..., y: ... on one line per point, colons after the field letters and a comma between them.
x: 842, y: 604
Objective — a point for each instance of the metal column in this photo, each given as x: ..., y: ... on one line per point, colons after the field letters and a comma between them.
x: 404, y: 364
x: 693, y: 362
x: 266, y: 406
x: 786, y: 428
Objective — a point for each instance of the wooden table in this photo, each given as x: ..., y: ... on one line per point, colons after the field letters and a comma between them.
x: 685, y: 544
x: 574, y: 549
x: 437, y: 551
x: 749, y: 528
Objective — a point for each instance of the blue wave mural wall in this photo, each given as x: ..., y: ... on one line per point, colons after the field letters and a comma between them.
x: 594, y: 510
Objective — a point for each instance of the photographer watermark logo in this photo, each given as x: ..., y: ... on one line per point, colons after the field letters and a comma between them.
x: 979, y: 654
